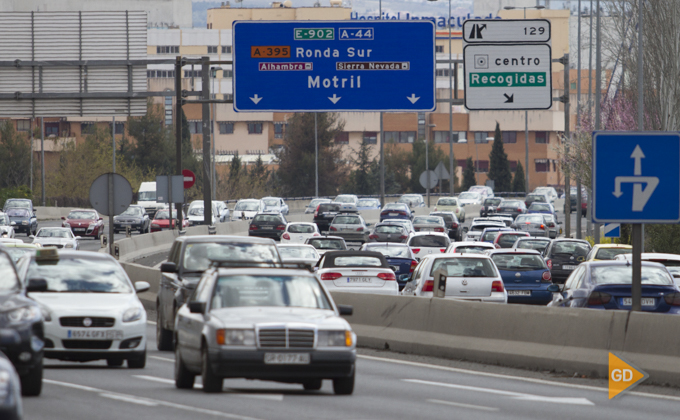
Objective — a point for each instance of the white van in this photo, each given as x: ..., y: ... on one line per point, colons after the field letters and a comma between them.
x: 146, y: 197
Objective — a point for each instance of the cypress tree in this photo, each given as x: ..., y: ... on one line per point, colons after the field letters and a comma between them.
x: 518, y: 182
x: 499, y: 167
x: 468, y: 175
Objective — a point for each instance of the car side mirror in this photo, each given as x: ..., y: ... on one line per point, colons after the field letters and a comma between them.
x: 100, y: 219
x: 554, y: 288
x: 13, y: 223
x: 196, y: 307
x: 142, y: 286
x: 63, y: 217
x: 346, y: 310
x: 31, y: 236
x: 36, y: 285
x: 168, y: 267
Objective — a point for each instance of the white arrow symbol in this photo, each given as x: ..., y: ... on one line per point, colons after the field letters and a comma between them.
x: 335, y: 98
x: 413, y: 98
x: 638, y: 156
x: 256, y: 99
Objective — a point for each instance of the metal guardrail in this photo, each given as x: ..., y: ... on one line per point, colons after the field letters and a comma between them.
x: 500, y: 194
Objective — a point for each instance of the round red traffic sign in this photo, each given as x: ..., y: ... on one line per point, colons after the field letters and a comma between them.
x: 189, y: 178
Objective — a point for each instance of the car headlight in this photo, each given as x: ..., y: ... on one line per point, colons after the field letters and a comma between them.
x: 24, y: 222
x: 235, y: 337
x: 132, y: 314
x: 68, y: 246
x: 25, y: 313
x: 343, y: 338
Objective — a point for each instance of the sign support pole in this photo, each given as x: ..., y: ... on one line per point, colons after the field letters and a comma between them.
x: 639, y: 230
x: 637, y: 268
x: 316, y: 155
x: 567, y: 139
x: 111, y: 213
x: 207, y: 191
x: 178, y: 135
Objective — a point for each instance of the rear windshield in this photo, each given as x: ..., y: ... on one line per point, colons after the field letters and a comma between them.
x: 447, y: 202
x: 15, y: 253
x: 490, y: 236
x: 507, y: 239
x: 469, y: 196
x: 536, y: 198
x: 301, y: 229
x: 389, y: 229
x: 368, y: 203
x: 533, y: 244
x: 523, y: 218
x: 610, y: 253
x: 446, y: 217
x: 285, y: 291
x: 330, y: 244
x: 355, y: 261
x: 484, y: 226
x: 344, y: 199
x: 539, y: 206
x: 427, y: 220
x: 197, y: 256
x: 464, y: 267
x: 471, y: 249
x: 265, y: 218
x: 518, y: 262
x: 576, y: 249
x: 328, y: 207
x: 295, y: 252
x: 395, y: 206
x: 433, y: 241
x: 492, y: 201
x: 318, y: 201
x: 623, y: 274
x: 509, y: 204
x: 346, y: 220
x: 391, y: 251
x: 247, y: 206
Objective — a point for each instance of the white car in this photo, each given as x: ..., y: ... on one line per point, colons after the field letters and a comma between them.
x: 472, y: 277
x: 196, y: 213
x: 6, y: 227
x: 90, y: 307
x: 247, y: 209
x: 58, y: 237
x: 357, y: 271
x: 670, y: 261
x: 275, y: 205
x: 347, y: 199
x: 299, y: 232
x: 483, y: 190
x: 549, y: 192
x: 469, y: 247
x: 426, y: 243
x: 470, y: 198
x: 298, y: 254
x: 222, y: 211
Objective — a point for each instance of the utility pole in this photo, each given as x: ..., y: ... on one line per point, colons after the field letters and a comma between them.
x: 178, y: 136
x: 42, y: 158
x: 207, y: 191
x: 578, y: 125
x: 567, y: 140
x: 589, y: 224
x: 598, y: 93
x: 316, y: 154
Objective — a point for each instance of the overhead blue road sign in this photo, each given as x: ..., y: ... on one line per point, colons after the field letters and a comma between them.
x: 636, y: 177
x: 334, y: 66
x: 612, y: 230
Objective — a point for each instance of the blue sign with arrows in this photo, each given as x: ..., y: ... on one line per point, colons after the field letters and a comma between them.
x: 298, y: 66
x: 636, y: 177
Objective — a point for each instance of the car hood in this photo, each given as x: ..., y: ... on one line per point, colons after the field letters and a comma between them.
x: 53, y: 240
x: 85, y: 222
x: 86, y: 303
x: 250, y: 316
x: 18, y: 218
x: 125, y: 217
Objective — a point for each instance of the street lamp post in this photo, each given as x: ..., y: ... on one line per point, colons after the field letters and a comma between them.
x: 427, y: 159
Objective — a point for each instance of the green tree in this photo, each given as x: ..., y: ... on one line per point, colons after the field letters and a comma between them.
x: 417, y: 163
x: 362, y: 179
x: 499, y: 168
x: 15, y: 164
x: 518, y: 181
x: 296, y: 158
x: 153, y: 149
x: 468, y: 175
x: 397, y: 165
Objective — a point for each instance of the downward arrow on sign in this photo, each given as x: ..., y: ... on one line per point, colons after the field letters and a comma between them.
x: 256, y: 99
x: 335, y: 98
x: 509, y: 99
x: 413, y: 98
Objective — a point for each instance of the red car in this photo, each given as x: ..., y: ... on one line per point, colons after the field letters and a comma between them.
x: 84, y: 222
x: 161, y: 220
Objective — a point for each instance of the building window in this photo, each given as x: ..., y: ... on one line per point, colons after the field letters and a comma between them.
x: 481, y: 136
x: 226, y: 128
x: 194, y: 73
x: 254, y: 128
x: 509, y: 136
x: 228, y: 96
x: 441, y: 136
x: 226, y: 49
x: 513, y: 166
x: 400, y: 136
x: 370, y: 137
x: 342, y: 138
x: 443, y: 72
x: 23, y: 125
x: 195, y: 127
x: 439, y: 48
x: 278, y: 130
x: 52, y: 129
x: 85, y: 128
x: 167, y: 49
x: 542, y: 137
x: 572, y: 86
x: 462, y: 163
x: 151, y: 74
x: 542, y: 165
x: 212, y: 49
x: 227, y: 74
x: 481, y: 166
x: 120, y: 126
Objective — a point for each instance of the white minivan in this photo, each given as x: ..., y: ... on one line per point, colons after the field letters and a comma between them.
x: 146, y: 197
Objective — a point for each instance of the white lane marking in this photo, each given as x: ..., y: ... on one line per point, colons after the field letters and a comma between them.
x: 514, y: 395
x: 151, y: 322
x: 271, y: 397
x: 132, y: 400
x: 513, y: 378
x: 163, y: 359
x: 455, y: 404
x: 188, y: 408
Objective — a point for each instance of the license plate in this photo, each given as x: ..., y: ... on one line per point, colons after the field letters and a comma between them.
x: 359, y: 279
x: 569, y: 267
x: 126, y: 223
x: 519, y: 292
x: 394, y: 214
x: 286, y: 358
x: 645, y: 301
x: 96, y: 334
x: 79, y: 229
x: 267, y: 227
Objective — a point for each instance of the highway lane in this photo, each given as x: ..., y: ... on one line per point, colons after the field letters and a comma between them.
x: 389, y: 386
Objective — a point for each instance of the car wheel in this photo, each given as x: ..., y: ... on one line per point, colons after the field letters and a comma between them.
x: 312, y: 384
x: 163, y: 336
x: 344, y: 386
x: 31, y: 383
x: 137, y: 361
x: 184, y: 379
x: 211, y: 382
x: 114, y: 362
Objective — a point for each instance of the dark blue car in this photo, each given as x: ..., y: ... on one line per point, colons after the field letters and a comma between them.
x: 607, y: 285
x: 525, y: 275
x: 398, y: 256
x: 396, y: 211
x: 489, y: 234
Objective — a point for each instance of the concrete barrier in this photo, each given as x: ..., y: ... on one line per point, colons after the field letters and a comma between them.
x: 51, y: 213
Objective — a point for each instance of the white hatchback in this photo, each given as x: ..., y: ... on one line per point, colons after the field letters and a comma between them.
x: 357, y: 271
x: 469, y: 247
x: 299, y: 232
x: 425, y: 243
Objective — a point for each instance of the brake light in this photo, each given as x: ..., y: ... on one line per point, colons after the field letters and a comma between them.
x: 281, y: 227
x: 403, y: 237
x: 497, y: 246
x: 454, y: 225
x: 497, y: 286
x: 403, y: 213
x: 387, y: 276
x: 316, y: 234
x: 286, y: 236
x: 316, y: 212
x: 599, y: 298
x: 543, y: 227
x: 546, y: 278
x: 332, y: 228
x: 519, y: 210
x: 360, y: 229
x: 415, y: 250
x: 414, y: 264
x: 330, y: 276
x: 549, y: 263
x: 428, y: 286
x: 373, y: 236
x: 253, y: 227
x: 672, y: 299
x: 417, y: 229
x: 439, y: 229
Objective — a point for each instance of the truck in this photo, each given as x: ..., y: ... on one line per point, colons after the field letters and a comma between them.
x: 146, y: 197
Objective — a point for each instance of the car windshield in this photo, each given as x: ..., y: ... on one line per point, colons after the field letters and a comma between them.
x: 367, y: 203
x: 472, y: 249
x: 346, y: 220
x: 532, y: 244
x: 396, y: 206
x: 330, y: 244
x: 300, y: 228
x: 389, y: 229
x: 434, y: 241
x: 477, y: 188
x: 507, y: 239
x: 490, y: 236
x: 539, y: 206
x: 247, y: 206
x: 133, y: 211
x: 464, y: 267
x: 344, y: 199
x: 4, y: 220
x: 163, y: 214
x: 17, y: 252
x: 492, y: 201
x: 263, y: 218
x: 53, y: 233
x: 196, y: 210
x: 17, y: 212
x: 278, y: 291
x: 80, y: 275
x: 610, y: 253
x: 543, y: 190
x: 518, y: 262
x: 428, y: 220
x: 528, y: 218
x: 328, y: 207
x: 391, y: 251
x: 8, y: 276
x: 197, y: 256
x: 469, y: 196
x: 298, y: 252
x: 271, y: 201
x: 623, y: 274
x: 577, y: 249
x: 511, y: 204
x: 146, y: 196
x: 89, y: 215
x: 318, y: 201
x: 26, y: 204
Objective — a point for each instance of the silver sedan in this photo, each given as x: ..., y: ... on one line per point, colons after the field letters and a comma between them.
x: 58, y: 237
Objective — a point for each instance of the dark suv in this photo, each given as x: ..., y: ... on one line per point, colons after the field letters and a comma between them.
x: 453, y: 226
x: 268, y: 225
x: 189, y: 257
x: 325, y: 213
x: 564, y: 255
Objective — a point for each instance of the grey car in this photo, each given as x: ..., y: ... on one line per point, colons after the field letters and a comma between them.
x: 268, y: 324
x: 534, y: 224
x: 388, y: 232
x: 512, y: 208
x: 350, y: 227
x: 135, y: 217
x: 58, y: 237
x: 327, y: 243
x: 276, y: 205
x: 311, y: 207
x: 429, y: 224
x: 540, y: 244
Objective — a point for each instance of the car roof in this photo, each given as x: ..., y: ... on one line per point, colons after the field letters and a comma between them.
x: 351, y: 253
x: 429, y: 234
x: 261, y: 271
x: 224, y: 238
x: 435, y: 213
x: 570, y: 240
x: 619, y: 262
x: 295, y: 245
x: 301, y: 223
x: 93, y: 255
x: 613, y: 246
x: 248, y: 199
x: 472, y: 243
x: 514, y: 251
x: 386, y: 245
x: 326, y: 237
x: 534, y: 238
x: 84, y: 210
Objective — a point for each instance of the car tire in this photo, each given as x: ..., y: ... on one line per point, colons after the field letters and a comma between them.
x: 163, y: 336
x: 31, y: 383
x: 211, y: 382
x: 114, y: 362
x: 312, y: 384
x: 344, y: 386
x: 138, y: 361
x: 184, y: 379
